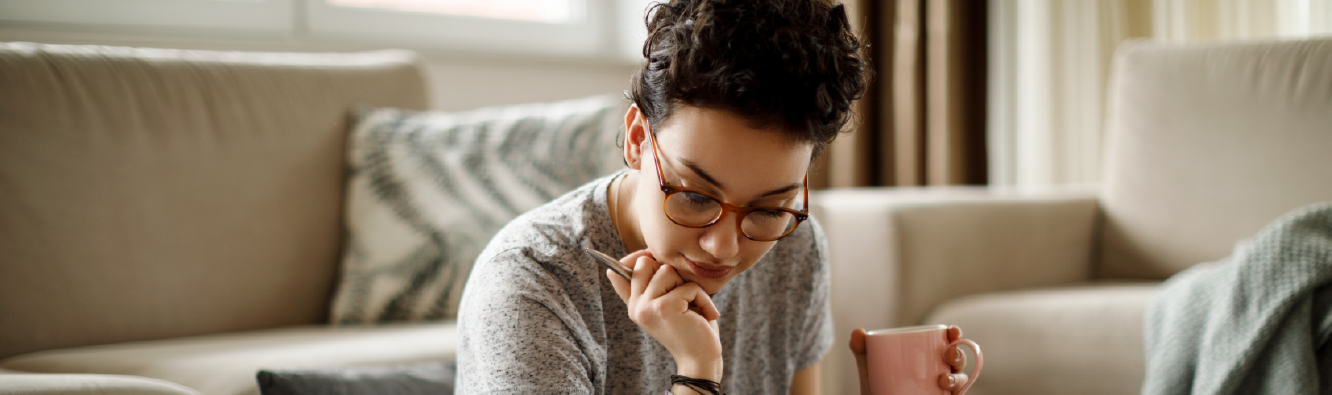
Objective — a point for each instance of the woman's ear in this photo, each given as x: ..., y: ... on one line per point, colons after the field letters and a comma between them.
x: 635, y: 133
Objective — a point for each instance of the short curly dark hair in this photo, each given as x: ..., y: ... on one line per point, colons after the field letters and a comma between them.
x: 793, y: 63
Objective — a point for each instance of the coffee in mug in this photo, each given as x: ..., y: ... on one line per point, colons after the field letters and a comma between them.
x: 914, y: 360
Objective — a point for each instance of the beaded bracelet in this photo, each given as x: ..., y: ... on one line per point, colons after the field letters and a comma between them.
x: 703, y: 386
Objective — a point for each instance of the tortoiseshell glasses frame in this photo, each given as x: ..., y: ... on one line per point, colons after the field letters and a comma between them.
x: 777, y: 214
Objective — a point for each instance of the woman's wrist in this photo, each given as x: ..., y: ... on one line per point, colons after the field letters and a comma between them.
x: 681, y: 385
x: 707, y: 370
x: 681, y: 389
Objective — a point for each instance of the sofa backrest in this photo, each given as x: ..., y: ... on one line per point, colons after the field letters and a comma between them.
x: 1208, y: 143
x: 149, y: 193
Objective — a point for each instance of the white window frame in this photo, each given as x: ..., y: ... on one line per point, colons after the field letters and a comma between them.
x: 586, y: 34
x: 610, y: 30
x: 265, y: 17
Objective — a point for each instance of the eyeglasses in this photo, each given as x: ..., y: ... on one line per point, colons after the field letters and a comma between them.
x: 692, y: 208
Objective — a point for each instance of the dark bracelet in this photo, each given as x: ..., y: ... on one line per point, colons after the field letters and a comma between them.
x: 703, y: 386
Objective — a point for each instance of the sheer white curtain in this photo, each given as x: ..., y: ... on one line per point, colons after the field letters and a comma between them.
x: 1049, y: 60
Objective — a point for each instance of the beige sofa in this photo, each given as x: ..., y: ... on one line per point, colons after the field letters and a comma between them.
x: 1208, y: 142
x: 171, y: 220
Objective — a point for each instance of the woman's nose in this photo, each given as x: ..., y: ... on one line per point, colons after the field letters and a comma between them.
x: 722, y: 239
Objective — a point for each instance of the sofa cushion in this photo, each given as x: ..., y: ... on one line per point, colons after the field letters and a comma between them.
x: 153, y: 193
x: 91, y: 384
x: 1085, y: 340
x: 427, y: 191
x: 226, y: 364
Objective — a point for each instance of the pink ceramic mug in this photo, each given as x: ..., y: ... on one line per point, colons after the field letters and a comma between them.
x: 913, y: 360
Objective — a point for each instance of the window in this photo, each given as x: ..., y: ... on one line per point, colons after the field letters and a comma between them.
x: 245, y: 17
x: 548, y: 11
x: 580, y: 28
x: 611, y: 29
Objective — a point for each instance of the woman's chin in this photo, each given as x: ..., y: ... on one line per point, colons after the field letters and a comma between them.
x: 710, y: 285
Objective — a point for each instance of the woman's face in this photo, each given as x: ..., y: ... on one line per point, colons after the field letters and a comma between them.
x: 719, y: 153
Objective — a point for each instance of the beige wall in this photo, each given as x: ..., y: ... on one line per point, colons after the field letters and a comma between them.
x: 459, y: 80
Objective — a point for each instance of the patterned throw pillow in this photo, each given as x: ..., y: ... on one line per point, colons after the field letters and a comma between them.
x: 427, y: 190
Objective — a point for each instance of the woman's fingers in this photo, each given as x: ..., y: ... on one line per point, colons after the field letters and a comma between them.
x: 664, y: 280
x: 704, y: 303
x: 954, y: 333
x: 862, y: 363
x: 620, y: 284
x: 678, y: 315
x: 956, y: 358
x: 695, y: 299
x: 858, y: 342
x: 952, y: 382
x: 652, y: 280
x: 644, y: 268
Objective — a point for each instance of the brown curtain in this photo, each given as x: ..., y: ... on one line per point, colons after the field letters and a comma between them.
x: 922, y: 121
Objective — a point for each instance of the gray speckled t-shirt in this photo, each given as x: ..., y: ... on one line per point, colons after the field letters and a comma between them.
x: 538, y: 315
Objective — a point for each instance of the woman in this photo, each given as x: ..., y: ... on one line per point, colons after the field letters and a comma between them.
x: 729, y: 290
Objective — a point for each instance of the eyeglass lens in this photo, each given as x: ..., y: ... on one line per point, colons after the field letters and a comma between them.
x: 694, y: 209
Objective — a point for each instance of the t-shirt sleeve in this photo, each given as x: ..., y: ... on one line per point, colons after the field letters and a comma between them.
x: 514, y: 336
x: 817, y: 325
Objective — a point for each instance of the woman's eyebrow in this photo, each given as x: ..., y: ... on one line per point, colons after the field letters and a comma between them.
x: 702, y: 174
x: 706, y: 177
x: 781, y: 190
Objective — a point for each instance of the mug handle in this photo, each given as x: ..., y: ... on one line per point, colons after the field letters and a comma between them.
x: 975, y: 372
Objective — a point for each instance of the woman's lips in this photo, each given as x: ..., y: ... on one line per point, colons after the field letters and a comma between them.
x: 709, y: 271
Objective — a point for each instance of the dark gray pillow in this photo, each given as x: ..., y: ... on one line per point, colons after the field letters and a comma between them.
x: 432, y: 379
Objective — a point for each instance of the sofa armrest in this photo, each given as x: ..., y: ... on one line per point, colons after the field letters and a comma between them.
x: 897, y: 253
x: 911, y: 249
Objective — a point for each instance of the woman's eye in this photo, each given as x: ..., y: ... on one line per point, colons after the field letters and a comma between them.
x: 769, y: 214
x: 697, y: 198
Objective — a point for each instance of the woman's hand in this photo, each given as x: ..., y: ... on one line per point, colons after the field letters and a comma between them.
x: 862, y: 365
x: 679, y: 315
x: 954, y: 357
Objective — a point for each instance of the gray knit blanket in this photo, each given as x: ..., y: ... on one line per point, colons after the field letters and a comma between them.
x: 1256, y: 322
